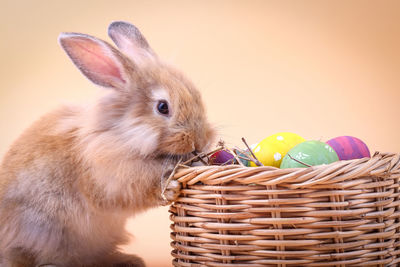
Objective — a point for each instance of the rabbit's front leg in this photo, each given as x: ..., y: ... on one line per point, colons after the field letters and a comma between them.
x: 170, y: 188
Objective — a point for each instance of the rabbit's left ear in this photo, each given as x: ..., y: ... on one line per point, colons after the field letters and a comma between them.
x: 130, y: 41
x: 97, y: 60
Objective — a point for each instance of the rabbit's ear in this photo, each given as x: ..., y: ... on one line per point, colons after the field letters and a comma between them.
x: 130, y: 41
x: 96, y: 59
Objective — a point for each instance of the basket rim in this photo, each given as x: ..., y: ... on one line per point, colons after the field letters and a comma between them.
x: 380, y: 164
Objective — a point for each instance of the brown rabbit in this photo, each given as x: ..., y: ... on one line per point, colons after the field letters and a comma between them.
x: 70, y: 181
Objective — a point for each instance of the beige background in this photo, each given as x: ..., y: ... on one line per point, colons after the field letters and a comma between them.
x: 317, y: 68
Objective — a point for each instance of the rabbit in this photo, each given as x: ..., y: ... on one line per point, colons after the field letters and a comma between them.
x: 71, y: 180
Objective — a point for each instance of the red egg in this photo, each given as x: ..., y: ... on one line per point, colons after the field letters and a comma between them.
x: 349, y: 147
x: 222, y: 157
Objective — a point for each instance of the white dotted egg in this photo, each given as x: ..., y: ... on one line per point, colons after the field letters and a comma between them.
x: 277, y: 156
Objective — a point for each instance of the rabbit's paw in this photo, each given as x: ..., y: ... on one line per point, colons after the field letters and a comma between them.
x: 171, y: 192
x: 119, y: 259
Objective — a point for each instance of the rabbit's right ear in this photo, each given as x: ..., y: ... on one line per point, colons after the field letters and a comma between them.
x: 130, y: 41
x: 96, y: 59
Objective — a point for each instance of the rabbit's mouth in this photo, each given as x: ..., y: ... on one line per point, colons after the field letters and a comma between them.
x: 178, y: 144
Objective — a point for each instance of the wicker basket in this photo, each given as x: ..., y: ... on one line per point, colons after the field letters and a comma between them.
x: 343, y: 214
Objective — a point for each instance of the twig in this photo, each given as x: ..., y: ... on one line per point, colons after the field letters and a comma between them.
x: 244, y: 158
x: 221, y: 143
x: 230, y: 161
x: 255, y: 160
x: 200, y: 157
x: 305, y: 164
x: 235, y: 156
x: 242, y: 154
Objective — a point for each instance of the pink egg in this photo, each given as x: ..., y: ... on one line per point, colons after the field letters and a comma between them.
x: 222, y: 157
x: 349, y: 147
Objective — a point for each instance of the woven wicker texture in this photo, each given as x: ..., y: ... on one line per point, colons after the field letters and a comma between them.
x: 342, y: 214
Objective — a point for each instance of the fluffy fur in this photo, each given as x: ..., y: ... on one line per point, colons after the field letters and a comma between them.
x: 70, y: 181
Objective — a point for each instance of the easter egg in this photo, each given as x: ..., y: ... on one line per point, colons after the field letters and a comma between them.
x: 243, y: 157
x: 253, y: 146
x: 311, y: 153
x: 272, y: 149
x: 222, y: 157
x: 349, y: 147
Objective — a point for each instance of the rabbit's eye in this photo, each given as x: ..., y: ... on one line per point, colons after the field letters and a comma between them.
x: 162, y: 107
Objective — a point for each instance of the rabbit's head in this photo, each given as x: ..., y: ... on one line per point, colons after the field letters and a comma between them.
x: 151, y: 108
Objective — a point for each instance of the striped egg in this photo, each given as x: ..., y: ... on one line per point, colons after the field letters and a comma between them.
x: 349, y: 147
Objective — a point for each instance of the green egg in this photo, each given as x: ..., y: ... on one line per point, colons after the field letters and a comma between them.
x: 311, y: 153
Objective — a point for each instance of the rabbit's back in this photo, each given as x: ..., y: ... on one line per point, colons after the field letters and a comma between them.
x: 42, y: 207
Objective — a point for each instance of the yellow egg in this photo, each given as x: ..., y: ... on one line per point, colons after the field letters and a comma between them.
x: 272, y: 149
